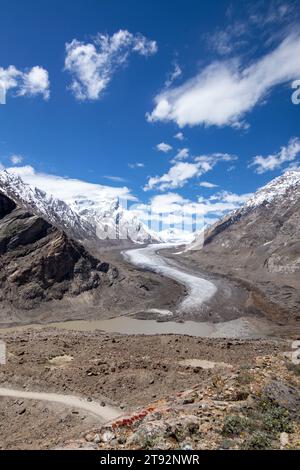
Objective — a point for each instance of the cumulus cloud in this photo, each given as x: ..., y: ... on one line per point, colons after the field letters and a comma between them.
x: 207, y: 184
x: 68, y: 189
x: 225, y: 91
x: 181, y: 154
x: 31, y: 82
x: 35, y: 82
x: 176, y: 177
x: 277, y: 160
x: 163, y: 147
x: 16, y: 159
x: 181, y: 172
x: 172, y: 208
x: 179, y: 136
x: 92, y: 65
x: 207, y: 162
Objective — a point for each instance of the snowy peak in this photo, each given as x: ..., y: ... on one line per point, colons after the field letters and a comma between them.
x: 82, y: 218
x: 287, y: 184
x: 55, y: 211
x: 283, y: 191
x: 174, y: 235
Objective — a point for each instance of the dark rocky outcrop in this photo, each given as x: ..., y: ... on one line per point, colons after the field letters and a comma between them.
x: 39, y: 263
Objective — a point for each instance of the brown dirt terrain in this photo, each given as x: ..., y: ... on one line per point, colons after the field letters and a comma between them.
x: 130, y: 371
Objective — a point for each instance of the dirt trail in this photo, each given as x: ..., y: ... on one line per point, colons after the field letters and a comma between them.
x: 106, y: 413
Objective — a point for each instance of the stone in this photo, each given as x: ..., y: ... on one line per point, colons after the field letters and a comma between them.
x: 107, y: 436
x: 284, y: 440
x: 283, y: 395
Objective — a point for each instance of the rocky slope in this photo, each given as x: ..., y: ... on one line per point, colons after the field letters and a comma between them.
x: 260, y: 242
x: 46, y: 276
x: 40, y: 263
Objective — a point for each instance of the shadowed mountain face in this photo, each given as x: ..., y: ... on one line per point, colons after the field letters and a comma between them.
x: 260, y: 242
x: 47, y: 276
x: 40, y: 263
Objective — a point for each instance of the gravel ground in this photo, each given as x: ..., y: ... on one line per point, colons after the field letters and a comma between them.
x: 119, y: 370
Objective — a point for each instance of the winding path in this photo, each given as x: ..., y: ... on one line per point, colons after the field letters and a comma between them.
x: 199, y: 290
x: 105, y: 413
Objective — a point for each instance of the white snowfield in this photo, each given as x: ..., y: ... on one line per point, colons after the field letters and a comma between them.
x: 105, y: 413
x: 276, y: 189
x: 199, y: 290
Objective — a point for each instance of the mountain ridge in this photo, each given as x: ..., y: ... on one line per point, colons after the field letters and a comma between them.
x: 82, y: 219
x: 259, y: 243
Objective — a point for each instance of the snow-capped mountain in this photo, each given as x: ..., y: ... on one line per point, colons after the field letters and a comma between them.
x: 260, y: 244
x: 282, y: 192
x: 112, y: 220
x: 81, y: 217
x: 286, y: 185
x: 37, y: 201
x: 175, y: 235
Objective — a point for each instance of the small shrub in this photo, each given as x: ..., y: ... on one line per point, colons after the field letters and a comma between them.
x: 235, y: 425
x: 277, y: 420
x: 258, y: 441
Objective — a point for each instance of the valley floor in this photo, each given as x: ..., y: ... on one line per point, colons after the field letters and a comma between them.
x: 65, y: 387
x: 173, y: 391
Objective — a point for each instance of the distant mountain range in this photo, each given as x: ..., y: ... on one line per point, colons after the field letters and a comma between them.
x: 42, y: 257
x: 82, y: 218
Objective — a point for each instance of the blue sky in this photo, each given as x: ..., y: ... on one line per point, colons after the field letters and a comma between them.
x: 220, y: 73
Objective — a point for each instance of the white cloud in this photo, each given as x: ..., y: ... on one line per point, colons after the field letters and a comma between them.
x: 221, y: 43
x: 35, y: 82
x: 136, y: 165
x: 163, y: 147
x: 172, y: 208
x: 181, y: 172
x: 177, y: 72
x: 254, y: 21
x: 274, y: 161
x: 224, y: 92
x: 32, y: 82
x: 179, y: 136
x: 168, y: 202
x: 16, y: 159
x: 295, y: 166
x: 116, y: 179
x: 181, y: 154
x: 206, y: 184
x: 93, y: 64
x: 176, y: 177
x: 67, y: 189
x: 207, y: 162
x: 231, y: 198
